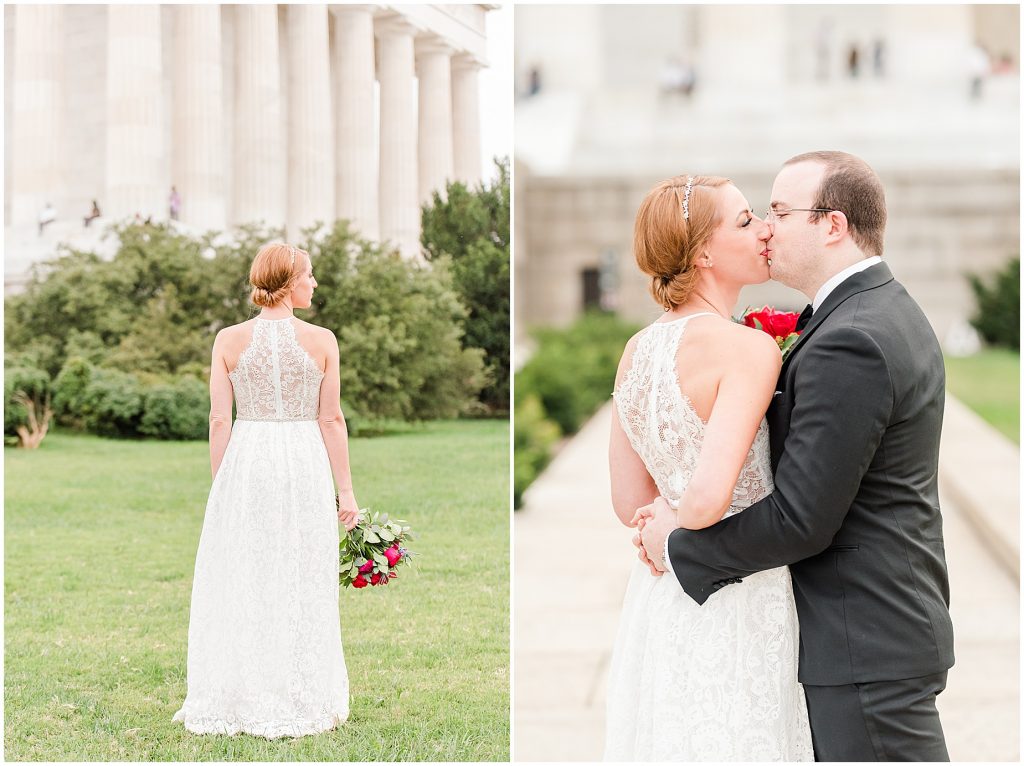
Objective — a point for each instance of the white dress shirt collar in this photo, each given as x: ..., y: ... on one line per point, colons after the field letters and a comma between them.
x: 842, y: 276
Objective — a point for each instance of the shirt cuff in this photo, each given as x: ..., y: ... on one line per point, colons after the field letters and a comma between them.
x: 666, y: 560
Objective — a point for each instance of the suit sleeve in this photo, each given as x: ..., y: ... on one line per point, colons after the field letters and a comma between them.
x: 843, y: 400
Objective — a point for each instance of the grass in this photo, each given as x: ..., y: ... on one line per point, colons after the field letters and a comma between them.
x: 100, y: 546
x: 989, y: 383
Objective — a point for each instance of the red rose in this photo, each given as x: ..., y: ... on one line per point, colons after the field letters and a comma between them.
x: 375, y: 580
x: 359, y: 582
x: 365, y: 568
x: 393, y: 555
x: 778, y: 324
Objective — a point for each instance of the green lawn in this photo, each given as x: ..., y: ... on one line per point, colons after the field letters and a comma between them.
x: 100, y: 545
x: 989, y: 383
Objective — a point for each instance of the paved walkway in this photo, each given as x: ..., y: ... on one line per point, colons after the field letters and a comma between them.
x: 572, y: 557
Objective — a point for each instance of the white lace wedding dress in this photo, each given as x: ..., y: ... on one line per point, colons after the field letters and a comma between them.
x: 699, y: 683
x: 264, y: 638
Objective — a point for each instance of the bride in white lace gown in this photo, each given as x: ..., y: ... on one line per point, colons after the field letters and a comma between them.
x: 264, y: 641
x: 716, y: 682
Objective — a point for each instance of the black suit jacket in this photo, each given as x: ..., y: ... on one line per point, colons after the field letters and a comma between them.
x: 855, y: 429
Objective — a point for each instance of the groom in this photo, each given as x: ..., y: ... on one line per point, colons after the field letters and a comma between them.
x: 855, y: 513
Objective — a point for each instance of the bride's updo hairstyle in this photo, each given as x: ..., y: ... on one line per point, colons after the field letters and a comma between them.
x: 671, y: 231
x: 273, y: 273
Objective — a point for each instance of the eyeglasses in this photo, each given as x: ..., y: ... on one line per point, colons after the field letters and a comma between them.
x: 774, y: 215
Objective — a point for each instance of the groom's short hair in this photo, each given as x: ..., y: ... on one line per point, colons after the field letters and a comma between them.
x: 852, y: 187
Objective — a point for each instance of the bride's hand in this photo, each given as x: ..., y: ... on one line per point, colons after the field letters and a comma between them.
x: 348, y: 510
x: 641, y: 515
x: 639, y: 543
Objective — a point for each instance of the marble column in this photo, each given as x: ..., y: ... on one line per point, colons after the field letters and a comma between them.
x: 434, y: 60
x: 356, y: 170
x: 259, y: 188
x: 466, y: 119
x: 310, y: 145
x: 399, y: 201
x: 136, y: 145
x: 197, y: 167
x: 37, y: 165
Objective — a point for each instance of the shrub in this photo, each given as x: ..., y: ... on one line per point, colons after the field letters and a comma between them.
x: 534, y: 436
x: 112, y: 403
x: 69, y: 392
x: 177, y: 410
x: 471, y: 228
x: 997, y: 318
x: 573, y: 370
x: 399, y: 330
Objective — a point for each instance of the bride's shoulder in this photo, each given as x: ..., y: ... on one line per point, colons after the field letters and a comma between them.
x: 731, y: 343
x: 750, y: 345
x: 231, y: 340
x: 313, y: 329
x: 234, y: 331
x: 315, y: 335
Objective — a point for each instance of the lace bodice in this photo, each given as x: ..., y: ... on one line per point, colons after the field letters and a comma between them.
x: 665, y: 429
x: 275, y: 378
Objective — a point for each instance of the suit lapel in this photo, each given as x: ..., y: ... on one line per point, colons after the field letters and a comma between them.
x: 869, y: 279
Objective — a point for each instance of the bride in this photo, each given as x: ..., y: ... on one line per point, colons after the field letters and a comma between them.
x: 264, y: 639
x: 718, y: 682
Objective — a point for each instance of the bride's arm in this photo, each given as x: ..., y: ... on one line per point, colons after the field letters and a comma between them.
x: 744, y: 393
x: 335, y: 433
x: 632, y: 485
x: 220, y: 404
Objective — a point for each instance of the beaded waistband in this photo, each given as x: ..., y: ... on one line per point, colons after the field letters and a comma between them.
x: 277, y: 420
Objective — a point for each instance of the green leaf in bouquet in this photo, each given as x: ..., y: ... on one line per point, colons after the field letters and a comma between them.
x: 381, y: 559
x: 370, y: 537
x: 383, y: 518
x: 387, y: 535
x: 789, y: 341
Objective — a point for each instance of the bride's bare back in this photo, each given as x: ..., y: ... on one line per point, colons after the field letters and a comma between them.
x: 708, y: 389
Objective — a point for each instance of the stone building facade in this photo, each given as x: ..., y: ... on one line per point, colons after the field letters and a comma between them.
x: 286, y: 114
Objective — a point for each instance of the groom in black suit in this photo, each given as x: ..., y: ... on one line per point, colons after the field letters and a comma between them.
x: 855, y: 429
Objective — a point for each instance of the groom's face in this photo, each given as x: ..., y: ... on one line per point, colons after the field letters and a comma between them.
x: 796, y: 243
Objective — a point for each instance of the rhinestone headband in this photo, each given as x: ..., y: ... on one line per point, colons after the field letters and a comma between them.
x: 686, y: 198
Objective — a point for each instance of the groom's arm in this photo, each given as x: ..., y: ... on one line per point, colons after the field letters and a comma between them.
x: 843, y: 403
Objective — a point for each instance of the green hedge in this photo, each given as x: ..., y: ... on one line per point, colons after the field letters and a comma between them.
x: 177, y: 410
x: 534, y: 436
x: 573, y: 370
x: 570, y: 375
x: 997, y: 318
x: 115, y: 403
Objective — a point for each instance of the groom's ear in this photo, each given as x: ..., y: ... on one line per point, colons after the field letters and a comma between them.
x: 838, y: 225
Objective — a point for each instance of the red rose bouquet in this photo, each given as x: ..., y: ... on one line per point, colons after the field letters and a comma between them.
x: 781, y: 325
x: 372, y: 550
